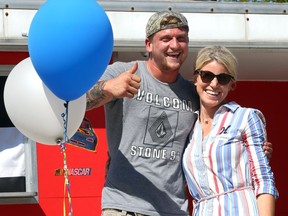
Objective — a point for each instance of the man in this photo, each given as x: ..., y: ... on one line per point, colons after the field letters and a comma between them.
x: 149, y: 111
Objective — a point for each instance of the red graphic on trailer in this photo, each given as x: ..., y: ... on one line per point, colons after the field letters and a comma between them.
x: 85, y: 137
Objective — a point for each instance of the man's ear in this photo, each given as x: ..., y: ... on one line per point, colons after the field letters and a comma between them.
x: 148, y: 45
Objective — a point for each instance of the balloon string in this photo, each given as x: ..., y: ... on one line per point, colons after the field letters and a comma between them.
x: 67, y: 186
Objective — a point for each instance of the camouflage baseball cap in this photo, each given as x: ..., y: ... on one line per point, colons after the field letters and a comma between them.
x: 165, y: 20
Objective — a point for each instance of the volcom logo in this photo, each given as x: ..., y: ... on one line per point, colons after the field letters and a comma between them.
x: 161, y: 127
x: 160, y: 131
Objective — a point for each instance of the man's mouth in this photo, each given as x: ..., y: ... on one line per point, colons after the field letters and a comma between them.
x: 174, y: 54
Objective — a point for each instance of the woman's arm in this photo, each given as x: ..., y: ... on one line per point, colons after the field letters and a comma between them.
x: 266, y: 204
x: 262, y: 176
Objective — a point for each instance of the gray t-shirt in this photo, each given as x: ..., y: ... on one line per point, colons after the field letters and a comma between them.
x: 146, y: 138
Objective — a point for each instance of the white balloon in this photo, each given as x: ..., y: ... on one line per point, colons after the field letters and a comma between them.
x: 35, y: 110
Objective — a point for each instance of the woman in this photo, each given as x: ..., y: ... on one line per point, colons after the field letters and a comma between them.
x: 225, y: 167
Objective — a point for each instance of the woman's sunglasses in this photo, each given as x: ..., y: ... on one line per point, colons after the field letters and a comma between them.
x: 208, y: 76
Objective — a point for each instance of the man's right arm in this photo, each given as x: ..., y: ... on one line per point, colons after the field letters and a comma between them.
x: 96, y: 96
x: 125, y: 85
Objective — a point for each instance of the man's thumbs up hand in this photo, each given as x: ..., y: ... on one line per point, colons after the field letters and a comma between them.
x: 126, y: 84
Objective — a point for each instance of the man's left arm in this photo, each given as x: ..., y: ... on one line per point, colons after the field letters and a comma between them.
x: 268, y: 149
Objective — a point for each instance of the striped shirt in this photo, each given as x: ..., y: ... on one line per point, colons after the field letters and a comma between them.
x: 227, y: 169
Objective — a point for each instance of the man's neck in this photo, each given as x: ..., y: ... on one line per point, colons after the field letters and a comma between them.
x: 160, y: 74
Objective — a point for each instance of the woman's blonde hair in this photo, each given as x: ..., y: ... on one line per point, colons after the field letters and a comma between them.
x: 220, y: 54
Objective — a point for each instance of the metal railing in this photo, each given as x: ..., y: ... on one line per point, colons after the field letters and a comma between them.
x: 188, y: 6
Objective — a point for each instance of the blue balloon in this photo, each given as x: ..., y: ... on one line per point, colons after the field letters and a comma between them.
x: 70, y: 43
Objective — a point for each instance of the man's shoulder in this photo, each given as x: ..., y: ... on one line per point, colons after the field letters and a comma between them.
x: 116, y: 68
x: 125, y: 64
x: 185, y: 83
x: 119, y: 64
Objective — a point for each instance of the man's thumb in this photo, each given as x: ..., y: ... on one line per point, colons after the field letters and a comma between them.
x: 134, y: 68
